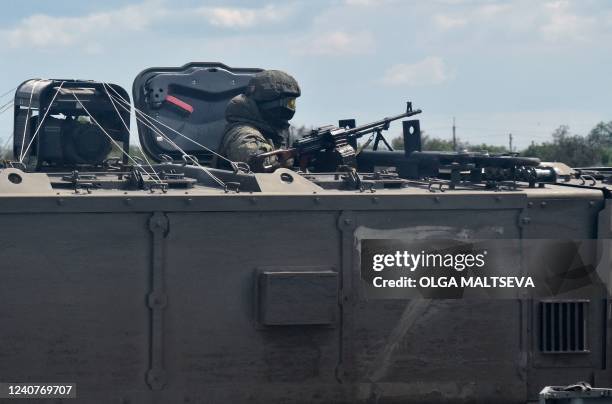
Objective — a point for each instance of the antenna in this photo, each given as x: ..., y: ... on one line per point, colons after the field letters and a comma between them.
x: 454, y: 135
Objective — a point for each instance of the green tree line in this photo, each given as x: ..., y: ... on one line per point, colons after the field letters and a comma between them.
x: 572, y: 149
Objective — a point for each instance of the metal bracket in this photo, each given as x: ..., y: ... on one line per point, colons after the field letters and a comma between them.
x: 524, y: 219
x: 152, y: 185
x: 81, y: 181
x: 157, y: 300
x: 351, y: 178
x: 16, y: 164
x: 232, y: 187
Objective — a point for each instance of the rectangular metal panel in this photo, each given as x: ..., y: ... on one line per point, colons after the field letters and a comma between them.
x: 212, y: 334
x: 72, y: 301
x: 297, y: 297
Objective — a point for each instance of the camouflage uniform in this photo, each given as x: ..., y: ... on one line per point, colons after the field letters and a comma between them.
x: 247, y: 133
x: 256, y: 124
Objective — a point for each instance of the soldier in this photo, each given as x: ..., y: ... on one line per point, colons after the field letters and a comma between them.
x: 258, y: 120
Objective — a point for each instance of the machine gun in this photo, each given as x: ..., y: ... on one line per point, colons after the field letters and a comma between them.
x: 330, y: 147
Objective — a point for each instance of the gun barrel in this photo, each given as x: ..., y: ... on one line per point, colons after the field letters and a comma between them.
x: 373, y: 126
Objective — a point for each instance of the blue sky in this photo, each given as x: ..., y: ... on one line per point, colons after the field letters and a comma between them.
x: 520, y: 67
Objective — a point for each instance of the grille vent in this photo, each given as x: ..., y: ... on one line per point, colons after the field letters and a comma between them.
x: 563, y: 326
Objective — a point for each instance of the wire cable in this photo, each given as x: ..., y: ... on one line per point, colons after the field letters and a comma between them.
x: 177, y: 132
x: 128, y: 130
x: 8, y: 92
x: 136, y: 164
x: 147, y: 123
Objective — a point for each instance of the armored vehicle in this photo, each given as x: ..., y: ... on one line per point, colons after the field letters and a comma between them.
x: 164, y: 279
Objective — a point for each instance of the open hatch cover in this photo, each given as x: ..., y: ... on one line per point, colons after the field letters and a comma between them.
x: 190, y: 100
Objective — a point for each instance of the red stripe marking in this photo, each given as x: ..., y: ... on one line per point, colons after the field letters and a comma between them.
x: 179, y: 103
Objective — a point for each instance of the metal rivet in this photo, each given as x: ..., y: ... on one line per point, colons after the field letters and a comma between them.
x: 526, y: 220
x: 347, y: 221
x: 375, y: 199
x: 543, y: 204
x: 529, y: 204
x: 437, y: 199
x: 591, y: 203
x: 60, y: 201
x: 317, y: 200
x: 128, y: 201
x: 253, y: 201
x: 188, y: 201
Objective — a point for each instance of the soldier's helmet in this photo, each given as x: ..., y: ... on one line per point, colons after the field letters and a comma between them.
x: 274, y: 92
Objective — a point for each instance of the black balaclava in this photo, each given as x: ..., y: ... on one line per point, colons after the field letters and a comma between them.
x: 274, y: 92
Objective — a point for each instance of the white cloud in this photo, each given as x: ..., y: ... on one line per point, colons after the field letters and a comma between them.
x: 91, y: 30
x: 40, y: 30
x: 336, y: 43
x: 446, y: 22
x: 492, y: 10
x: 563, y: 24
x: 559, y: 21
x: 244, y: 17
x: 364, y: 2
x: 476, y: 16
x: 429, y: 71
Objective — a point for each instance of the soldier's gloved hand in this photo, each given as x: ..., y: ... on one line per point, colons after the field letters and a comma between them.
x: 286, y: 162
